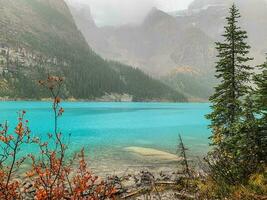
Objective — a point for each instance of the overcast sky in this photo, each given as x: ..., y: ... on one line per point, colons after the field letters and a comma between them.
x: 118, y: 12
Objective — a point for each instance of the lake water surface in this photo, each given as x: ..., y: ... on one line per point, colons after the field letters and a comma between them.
x: 106, y: 129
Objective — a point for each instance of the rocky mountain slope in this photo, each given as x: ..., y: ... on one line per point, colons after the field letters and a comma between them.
x: 166, y: 43
x: 156, y: 46
x: 40, y: 37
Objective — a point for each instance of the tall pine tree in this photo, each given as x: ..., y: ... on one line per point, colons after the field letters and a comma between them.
x: 234, y: 73
x: 227, y: 159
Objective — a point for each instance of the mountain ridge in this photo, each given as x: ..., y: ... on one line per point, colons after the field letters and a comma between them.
x: 40, y: 37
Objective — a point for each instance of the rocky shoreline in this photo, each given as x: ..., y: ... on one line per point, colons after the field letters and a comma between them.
x: 141, y: 185
x: 138, y: 182
x: 141, y: 182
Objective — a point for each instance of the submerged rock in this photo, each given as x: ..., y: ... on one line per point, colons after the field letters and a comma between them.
x: 153, y: 153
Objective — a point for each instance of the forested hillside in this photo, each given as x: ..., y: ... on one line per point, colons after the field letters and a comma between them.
x: 39, y: 37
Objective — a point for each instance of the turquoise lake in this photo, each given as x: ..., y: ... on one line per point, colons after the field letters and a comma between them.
x: 106, y: 129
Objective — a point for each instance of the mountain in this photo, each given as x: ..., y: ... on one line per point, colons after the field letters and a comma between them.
x: 152, y: 46
x: 166, y: 43
x: 209, y: 16
x: 40, y: 37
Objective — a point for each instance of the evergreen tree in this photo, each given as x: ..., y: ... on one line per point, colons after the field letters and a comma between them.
x: 261, y: 109
x: 234, y: 73
x: 230, y: 137
x: 261, y: 92
x: 184, y: 162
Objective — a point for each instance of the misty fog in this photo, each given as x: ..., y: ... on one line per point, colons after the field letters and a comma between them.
x: 118, y: 12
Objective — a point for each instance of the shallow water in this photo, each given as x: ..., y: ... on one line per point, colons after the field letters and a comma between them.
x: 106, y: 129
